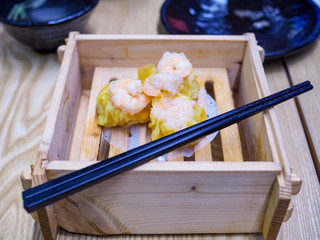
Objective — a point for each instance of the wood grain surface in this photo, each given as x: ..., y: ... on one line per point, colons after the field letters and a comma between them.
x: 27, y: 82
x: 304, y: 222
x: 301, y: 68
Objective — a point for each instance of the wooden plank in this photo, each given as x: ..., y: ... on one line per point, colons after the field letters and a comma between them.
x: 301, y: 68
x: 171, y: 209
x: 216, y: 149
x: 137, y: 50
x: 62, y: 113
x: 119, y: 141
x: 204, y: 153
x: 154, y: 37
x: 26, y: 181
x: 232, y: 68
x: 79, y: 126
x: 276, y: 210
x: 270, y: 116
x: 47, y: 215
x: 304, y: 222
x: 149, y: 48
x: 115, y: 55
x: 60, y: 52
x: 296, y: 183
x: 143, y: 131
x: 92, y: 131
x: 231, y: 192
x: 103, y: 148
x: 199, y: 167
x: 272, y: 127
x: 281, y: 192
x: 65, y: 235
x: 230, y: 137
x: 57, y: 136
x: 257, y: 143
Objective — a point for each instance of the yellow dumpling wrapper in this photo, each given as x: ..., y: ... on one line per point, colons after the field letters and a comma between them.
x: 190, y: 86
x: 146, y: 71
x: 161, y: 126
x: 110, y: 116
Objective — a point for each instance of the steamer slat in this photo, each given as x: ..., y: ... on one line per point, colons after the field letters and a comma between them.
x: 119, y: 141
x: 230, y: 137
x: 91, y: 136
x: 203, y: 154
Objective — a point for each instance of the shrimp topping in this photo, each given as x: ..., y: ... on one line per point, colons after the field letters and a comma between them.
x: 176, y: 63
x: 127, y: 95
x: 162, y: 81
x: 175, y: 112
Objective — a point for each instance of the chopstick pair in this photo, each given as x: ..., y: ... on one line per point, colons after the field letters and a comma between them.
x: 62, y: 187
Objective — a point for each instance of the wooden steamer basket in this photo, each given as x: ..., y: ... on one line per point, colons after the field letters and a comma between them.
x: 240, y: 183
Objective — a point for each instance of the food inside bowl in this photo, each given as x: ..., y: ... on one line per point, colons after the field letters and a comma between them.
x: 44, y: 24
x: 166, y: 97
x: 42, y: 10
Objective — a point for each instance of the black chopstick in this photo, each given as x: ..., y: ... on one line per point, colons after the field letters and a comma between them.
x: 62, y: 187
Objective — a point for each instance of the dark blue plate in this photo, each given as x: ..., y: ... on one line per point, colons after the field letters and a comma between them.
x: 281, y: 27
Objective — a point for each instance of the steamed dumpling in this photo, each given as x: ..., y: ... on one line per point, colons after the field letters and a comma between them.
x: 122, y: 103
x: 171, y: 114
x: 179, y: 64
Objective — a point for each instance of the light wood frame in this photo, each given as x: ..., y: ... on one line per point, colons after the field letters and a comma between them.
x: 170, y: 197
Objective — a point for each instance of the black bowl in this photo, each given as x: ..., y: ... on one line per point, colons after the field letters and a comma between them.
x: 282, y: 27
x: 44, y: 24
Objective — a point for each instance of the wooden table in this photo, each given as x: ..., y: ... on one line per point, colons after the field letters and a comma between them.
x: 27, y: 80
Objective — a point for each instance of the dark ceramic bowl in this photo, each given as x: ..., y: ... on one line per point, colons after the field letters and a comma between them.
x: 282, y: 27
x: 44, y: 24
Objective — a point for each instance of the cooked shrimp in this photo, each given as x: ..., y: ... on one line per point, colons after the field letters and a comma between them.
x: 176, y: 63
x: 175, y: 112
x: 162, y: 81
x: 127, y: 95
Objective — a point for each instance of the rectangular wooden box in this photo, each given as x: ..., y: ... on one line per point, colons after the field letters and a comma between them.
x: 240, y: 184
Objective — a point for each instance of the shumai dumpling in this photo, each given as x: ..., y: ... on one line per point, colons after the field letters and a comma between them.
x: 170, y: 114
x: 179, y: 64
x: 123, y: 103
